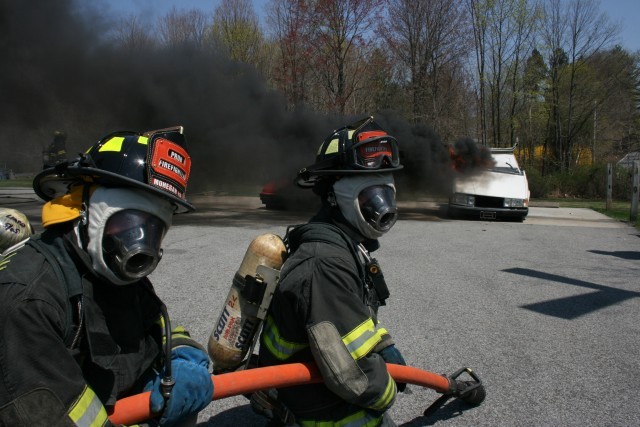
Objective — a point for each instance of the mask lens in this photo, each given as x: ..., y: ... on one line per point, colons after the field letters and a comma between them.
x: 378, y: 207
x: 376, y: 149
x: 131, y: 243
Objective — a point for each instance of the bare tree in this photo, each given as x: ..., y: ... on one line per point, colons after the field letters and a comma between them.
x: 573, y: 32
x: 511, y: 23
x: 184, y: 27
x: 237, y: 32
x: 428, y: 39
x: 131, y: 34
x: 340, y: 40
x: 289, y: 25
x: 525, y: 22
x: 478, y: 12
x: 502, y: 32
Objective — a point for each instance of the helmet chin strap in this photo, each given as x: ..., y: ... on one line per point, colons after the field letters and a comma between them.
x: 84, y: 217
x: 331, y: 199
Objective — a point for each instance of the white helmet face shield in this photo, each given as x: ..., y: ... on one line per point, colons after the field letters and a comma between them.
x: 131, y: 243
x: 378, y: 207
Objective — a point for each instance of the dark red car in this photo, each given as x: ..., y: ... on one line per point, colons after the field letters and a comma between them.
x: 283, y: 194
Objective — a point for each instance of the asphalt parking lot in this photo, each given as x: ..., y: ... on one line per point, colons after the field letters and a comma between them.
x: 227, y: 210
x: 544, y: 311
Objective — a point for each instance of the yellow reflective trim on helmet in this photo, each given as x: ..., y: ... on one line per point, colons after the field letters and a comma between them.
x: 114, y: 144
x: 143, y: 140
x: 88, y: 411
x: 350, y: 133
x: 332, y: 147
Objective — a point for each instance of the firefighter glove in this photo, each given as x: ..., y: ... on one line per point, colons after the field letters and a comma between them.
x: 193, y: 389
x: 391, y: 354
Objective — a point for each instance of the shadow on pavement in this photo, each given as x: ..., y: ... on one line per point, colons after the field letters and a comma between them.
x: 576, y: 305
x: 235, y: 417
x: 450, y: 410
x: 633, y: 255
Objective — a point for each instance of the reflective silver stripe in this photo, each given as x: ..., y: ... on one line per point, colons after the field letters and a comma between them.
x: 88, y: 411
x: 363, y: 338
x: 280, y: 348
x: 387, y: 397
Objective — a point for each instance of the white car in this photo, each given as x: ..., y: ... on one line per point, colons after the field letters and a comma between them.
x: 501, y: 192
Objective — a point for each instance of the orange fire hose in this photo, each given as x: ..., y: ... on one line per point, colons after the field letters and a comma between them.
x: 135, y: 409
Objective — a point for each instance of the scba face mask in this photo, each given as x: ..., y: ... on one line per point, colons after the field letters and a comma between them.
x: 131, y: 243
x: 368, y: 202
x: 378, y: 207
x: 126, y: 228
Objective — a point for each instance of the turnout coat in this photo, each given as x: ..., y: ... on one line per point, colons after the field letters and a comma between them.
x: 325, y: 310
x: 71, y: 343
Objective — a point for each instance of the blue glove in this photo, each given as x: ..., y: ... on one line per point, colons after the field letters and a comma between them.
x: 193, y: 389
x: 391, y: 354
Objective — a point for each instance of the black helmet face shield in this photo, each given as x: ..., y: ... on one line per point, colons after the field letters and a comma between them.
x: 131, y: 243
x: 378, y: 207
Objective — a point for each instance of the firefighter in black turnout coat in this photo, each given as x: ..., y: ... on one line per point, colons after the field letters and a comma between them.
x: 325, y: 306
x: 80, y: 323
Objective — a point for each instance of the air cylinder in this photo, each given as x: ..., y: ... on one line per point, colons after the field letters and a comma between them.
x: 238, y: 322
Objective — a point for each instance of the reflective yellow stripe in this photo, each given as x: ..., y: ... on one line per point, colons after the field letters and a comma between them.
x: 387, y: 397
x: 88, y: 411
x: 280, y: 348
x: 6, y: 260
x: 143, y: 140
x: 359, y: 419
x: 114, y: 144
x: 363, y: 338
x: 179, y: 332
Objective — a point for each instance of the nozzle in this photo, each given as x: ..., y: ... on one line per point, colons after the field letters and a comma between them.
x: 471, y: 392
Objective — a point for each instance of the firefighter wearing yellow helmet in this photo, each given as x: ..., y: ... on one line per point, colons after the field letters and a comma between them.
x: 324, y: 309
x: 81, y: 323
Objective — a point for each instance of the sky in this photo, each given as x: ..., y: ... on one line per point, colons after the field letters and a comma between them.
x: 626, y: 12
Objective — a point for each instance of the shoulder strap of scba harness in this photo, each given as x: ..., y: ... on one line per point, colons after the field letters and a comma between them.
x: 72, y: 282
x: 368, y: 268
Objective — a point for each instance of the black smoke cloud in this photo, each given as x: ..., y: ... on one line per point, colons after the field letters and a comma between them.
x: 61, y: 72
